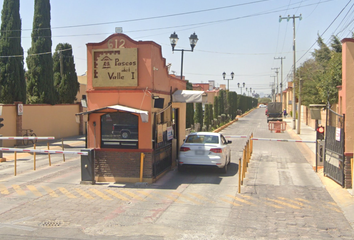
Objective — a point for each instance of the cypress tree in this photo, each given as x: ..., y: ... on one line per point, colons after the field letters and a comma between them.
x: 207, y: 116
x: 40, y: 83
x: 216, y: 107
x: 12, y: 78
x: 210, y: 113
x: 221, y: 102
x: 189, y: 109
x: 198, y: 114
x: 66, y: 82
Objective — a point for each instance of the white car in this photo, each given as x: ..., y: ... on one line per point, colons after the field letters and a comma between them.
x: 206, y: 149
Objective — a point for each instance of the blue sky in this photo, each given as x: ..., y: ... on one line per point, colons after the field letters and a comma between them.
x: 240, y: 36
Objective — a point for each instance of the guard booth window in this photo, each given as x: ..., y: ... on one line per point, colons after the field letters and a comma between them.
x: 119, y: 130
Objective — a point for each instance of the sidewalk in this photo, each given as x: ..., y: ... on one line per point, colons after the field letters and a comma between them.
x: 343, y: 197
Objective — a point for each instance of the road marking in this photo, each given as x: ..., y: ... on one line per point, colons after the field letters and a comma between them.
x: 266, y: 203
x: 68, y: 194
x: 130, y: 194
x: 50, y: 191
x: 332, y: 203
x: 241, y: 200
x: 18, y: 190
x: 333, y: 208
x: 232, y: 203
x: 100, y: 194
x: 188, y: 198
x: 34, y: 190
x: 148, y: 195
x: 283, y: 203
x: 117, y: 195
x: 302, y: 200
x: 84, y: 194
x: 201, y: 197
x: 292, y: 201
x: 4, y: 190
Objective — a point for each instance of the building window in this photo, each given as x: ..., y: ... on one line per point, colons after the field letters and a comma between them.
x: 119, y: 130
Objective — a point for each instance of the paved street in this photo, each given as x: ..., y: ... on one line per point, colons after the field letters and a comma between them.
x: 282, y: 198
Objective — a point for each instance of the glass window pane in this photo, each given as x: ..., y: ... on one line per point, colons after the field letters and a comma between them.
x: 119, y: 130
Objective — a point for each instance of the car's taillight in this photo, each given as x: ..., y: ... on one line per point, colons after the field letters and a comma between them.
x: 216, y: 150
x: 184, y: 149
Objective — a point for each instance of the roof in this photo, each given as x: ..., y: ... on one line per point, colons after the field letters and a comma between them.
x: 143, y: 114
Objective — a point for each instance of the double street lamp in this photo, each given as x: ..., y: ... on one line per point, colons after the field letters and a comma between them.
x: 232, y: 77
x: 193, y: 39
x: 243, y: 85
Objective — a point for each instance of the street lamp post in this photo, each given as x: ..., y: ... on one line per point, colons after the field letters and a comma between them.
x: 193, y: 39
x: 243, y: 85
x: 232, y: 77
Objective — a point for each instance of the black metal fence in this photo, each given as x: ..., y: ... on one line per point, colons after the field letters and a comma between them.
x: 162, y: 159
x: 334, y: 147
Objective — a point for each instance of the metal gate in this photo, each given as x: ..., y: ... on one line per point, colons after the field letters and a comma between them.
x: 334, y: 147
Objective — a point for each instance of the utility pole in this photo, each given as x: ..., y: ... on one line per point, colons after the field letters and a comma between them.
x: 276, y: 93
x: 281, y: 77
x: 273, y: 89
x: 299, y: 115
x: 294, y: 65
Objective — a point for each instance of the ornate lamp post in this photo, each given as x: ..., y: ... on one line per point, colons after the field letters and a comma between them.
x: 243, y: 85
x: 232, y: 77
x: 193, y: 39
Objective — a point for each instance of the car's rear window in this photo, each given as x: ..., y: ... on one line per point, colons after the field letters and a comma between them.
x: 202, y: 139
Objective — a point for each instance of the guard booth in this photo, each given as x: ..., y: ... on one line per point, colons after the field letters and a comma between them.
x: 132, y: 122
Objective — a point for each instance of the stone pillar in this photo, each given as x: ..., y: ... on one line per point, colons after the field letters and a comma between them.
x: 348, y: 170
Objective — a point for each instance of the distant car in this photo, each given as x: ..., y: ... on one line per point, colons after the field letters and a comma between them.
x: 205, y: 149
x: 262, y: 106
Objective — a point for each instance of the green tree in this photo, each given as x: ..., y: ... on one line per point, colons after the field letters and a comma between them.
x: 65, y: 82
x: 232, y: 103
x: 323, y: 54
x: 331, y: 79
x: 189, y: 109
x: 221, y: 102
x: 198, y: 114
x: 40, y: 83
x: 310, y: 72
x: 210, y: 110
x: 207, y: 117
x: 336, y: 44
x: 216, y: 107
x: 12, y: 74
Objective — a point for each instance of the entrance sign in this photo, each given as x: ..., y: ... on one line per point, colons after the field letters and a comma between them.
x: 115, y: 67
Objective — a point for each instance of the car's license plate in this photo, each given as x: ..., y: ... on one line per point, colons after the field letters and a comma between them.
x: 199, y: 152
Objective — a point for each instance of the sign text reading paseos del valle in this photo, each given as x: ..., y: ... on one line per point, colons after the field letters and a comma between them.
x: 115, y: 67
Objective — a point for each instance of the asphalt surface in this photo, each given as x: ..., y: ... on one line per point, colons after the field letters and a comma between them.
x: 282, y: 197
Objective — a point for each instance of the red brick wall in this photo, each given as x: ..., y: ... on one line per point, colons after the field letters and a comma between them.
x: 111, y: 163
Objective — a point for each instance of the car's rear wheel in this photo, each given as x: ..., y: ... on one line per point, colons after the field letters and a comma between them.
x: 125, y: 134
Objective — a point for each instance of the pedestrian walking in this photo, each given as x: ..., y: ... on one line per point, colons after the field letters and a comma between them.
x: 285, y: 113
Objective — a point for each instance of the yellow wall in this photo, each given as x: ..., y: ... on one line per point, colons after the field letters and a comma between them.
x: 45, y: 120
